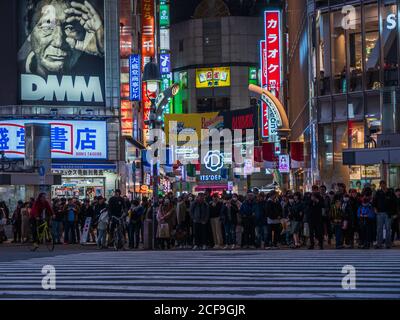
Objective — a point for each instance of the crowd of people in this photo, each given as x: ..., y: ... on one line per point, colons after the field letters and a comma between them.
x: 335, y: 219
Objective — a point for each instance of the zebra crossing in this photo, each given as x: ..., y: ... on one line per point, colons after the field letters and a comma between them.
x: 298, y: 274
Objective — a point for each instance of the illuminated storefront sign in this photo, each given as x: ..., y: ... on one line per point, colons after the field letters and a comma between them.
x: 213, y: 77
x: 126, y: 118
x: 284, y: 163
x: 273, y: 49
x: 164, y: 14
x: 213, y: 160
x: 271, y: 72
x: 69, y: 139
x: 134, y: 78
x: 148, y: 51
x: 270, y: 118
x: 165, y: 63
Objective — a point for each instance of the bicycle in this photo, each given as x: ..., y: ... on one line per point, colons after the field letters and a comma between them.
x: 44, y: 236
x: 118, y: 234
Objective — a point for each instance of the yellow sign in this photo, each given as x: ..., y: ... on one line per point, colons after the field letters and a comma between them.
x: 213, y: 77
x: 195, y: 121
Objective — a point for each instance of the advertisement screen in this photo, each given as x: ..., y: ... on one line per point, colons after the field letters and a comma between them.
x: 69, y: 139
x: 61, y: 52
x: 213, y: 77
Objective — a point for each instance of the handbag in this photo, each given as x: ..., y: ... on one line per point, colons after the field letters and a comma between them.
x: 345, y: 225
x: 164, y: 230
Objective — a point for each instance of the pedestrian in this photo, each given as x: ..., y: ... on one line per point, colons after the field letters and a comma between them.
x: 248, y: 213
x: 58, y: 217
x: 396, y: 218
x: 261, y: 227
x: 384, y: 203
x: 41, y: 211
x: 102, y: 225
x: 296, y: 213
x: 25, y: 228
x: 116, y: 209
x: 17, y: 222
x: 337, y: 219
x: 164, y: 215
x: 70, y: 221
x: 229, y: 215
x: 315, y: 221
x: 215, y: 212
x: 327, y: 201
x: 135, y: 224
x: 182, y: 223
x: 273, y: 214
x: 366, y: 216
x: 200, y: 215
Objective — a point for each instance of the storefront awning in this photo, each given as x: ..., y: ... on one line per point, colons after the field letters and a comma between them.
x: 366, y: 157
x: 214, y: 187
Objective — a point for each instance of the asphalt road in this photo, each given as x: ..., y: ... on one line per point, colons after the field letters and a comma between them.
x: 87, y: 273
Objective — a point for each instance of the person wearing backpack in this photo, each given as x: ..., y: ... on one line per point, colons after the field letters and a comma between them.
x: 102, y: 228
x: 135, y: 215
x: 366, y: 216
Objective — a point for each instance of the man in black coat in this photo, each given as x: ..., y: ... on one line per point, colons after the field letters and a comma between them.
x: 316, y: 221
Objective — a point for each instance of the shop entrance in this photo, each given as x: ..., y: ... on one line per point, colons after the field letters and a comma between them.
x: 80, y: 187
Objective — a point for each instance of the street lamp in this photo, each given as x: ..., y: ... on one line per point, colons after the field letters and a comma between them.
x: 152, y: 78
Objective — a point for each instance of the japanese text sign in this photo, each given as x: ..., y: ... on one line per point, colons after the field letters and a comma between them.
x: 135, y: 78
x: 69, y: 139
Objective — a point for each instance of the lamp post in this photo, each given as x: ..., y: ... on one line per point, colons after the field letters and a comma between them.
x: 152, y: 77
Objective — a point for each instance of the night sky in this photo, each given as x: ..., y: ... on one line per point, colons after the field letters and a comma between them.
x: 184, y: 9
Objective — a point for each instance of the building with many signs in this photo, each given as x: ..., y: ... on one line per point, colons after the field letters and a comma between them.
x: 56, y: 75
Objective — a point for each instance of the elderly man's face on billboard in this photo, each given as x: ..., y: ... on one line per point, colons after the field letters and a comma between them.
x: 49, y: 37
x: 62, y: 30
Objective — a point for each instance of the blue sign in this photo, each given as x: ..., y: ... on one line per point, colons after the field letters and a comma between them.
x: 42, y: 171
x: 69, y: 139
x: 165, y: 63
x: 135, y: 81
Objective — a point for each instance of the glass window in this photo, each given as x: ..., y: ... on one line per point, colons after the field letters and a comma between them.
x: 355, y: 52
x: 324, y: 48
x: 325, y: 151
x: 390, y: 40
x: 355, y: 106
x: 340, y: 108
x: 373, y: 101
x: 372, y: 46
x: 325, y: 110
x: 340, y: 172
x: 338, y: 53
x: 356, y: 135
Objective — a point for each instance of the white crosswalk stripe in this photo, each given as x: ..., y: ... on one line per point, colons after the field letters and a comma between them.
x: 205, y: 275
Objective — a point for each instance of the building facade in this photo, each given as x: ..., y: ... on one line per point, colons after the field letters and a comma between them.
x: 75, y: 88
x: 351, y: 52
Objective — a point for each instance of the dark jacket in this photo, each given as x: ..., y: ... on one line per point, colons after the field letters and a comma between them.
x: 273, y: 210
x: 315, y: 217
x: 296, y: 211
x: 215, y: 211
x: 260, y: 213
x: 229, y: 215
x: 385, y: 202
x: 116, y: 206
x: 248, y: 209
x: 199, y: 212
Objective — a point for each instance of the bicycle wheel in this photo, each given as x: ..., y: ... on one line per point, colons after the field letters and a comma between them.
x: 48, y: 239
